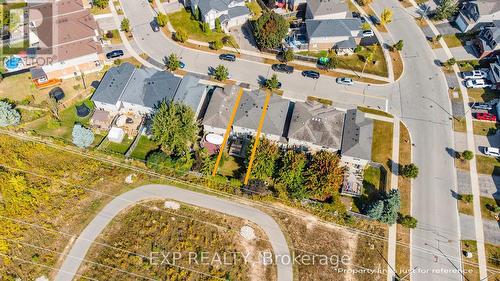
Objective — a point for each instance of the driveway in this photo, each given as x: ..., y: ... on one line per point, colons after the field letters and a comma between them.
x: 103, y: 218
x: 490, y: 228
x: 244, y: 37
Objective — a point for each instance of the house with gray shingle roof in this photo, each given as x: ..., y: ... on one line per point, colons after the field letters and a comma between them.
x: 342, y: 35
x: 477, y: 13
x: 231, y: 13
x: 326, y: 9
x: 357, y: 138
x: 248, y: 114
x: 139, y: 90
x: 314, y: 126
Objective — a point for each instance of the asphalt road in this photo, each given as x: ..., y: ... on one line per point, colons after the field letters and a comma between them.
x: 82, y: 244
x: 420, y: 98
x: 296, y: 87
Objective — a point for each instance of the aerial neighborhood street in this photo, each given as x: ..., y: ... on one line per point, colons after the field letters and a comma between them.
x: 250, y: 140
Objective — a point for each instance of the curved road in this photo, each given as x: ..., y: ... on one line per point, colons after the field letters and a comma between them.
x: 420, y: 98
x: 79, y: 249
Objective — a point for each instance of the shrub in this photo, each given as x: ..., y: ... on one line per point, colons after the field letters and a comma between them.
x: 407, y: 221
x: 409, y: 171
x: 216, y: 45
x: 205, y: 27
x: 162, y: 19
x: 451, y: 61
x: 288, y: 55
x: 82, y: 137
x: 467, y: 155
x: 221, y: 73
x: 358, y: 49
x: 181, y: 36
x: 100, y: 3
x: 399, y: 45
x: 125, y: 25
x: 218, y: 26
x: 467, y: 198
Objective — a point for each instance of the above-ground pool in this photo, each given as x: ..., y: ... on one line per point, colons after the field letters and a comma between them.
x: 14, y: 63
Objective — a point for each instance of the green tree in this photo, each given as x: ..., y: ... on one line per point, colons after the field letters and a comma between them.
x: 291, y: 173
x: 446, y: 10
x: 162, y: 19
x: 218, y: 26
x: 174, y: 128
x: 467, y: 155
x: 82, y: 137
x: 270, y: 30
x: 366, y: 26
x: 181, y: 35
x: 324, y: 175
x: 332, y: 63
x: 266, y: 155
x: 173, y: 62
x: 100, y: 3
x: 409, y: 171
x: 386, y: 16
x: 375, y: 210
x: 407, y: 221
x: 221, y: 73
x: 288, y: 55
x: 467, y: 198
x: 365, y: 2
x: 125, y: 25
x: 217, y: 44
x: 451, y: 61
x: 208, y: 164
x: 8, y: 115
x: 205, y: 27
x: 273, y: 83
x: 197, y: 14
x: 399, y: 45
x: 392, y: 203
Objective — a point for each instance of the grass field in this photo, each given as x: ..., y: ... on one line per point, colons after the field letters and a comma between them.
x: 232, y: 167
x: 470, y: 246
x: 382, y: 147
x: 485, y: 128
x: 487, y: 165
x: 482, y: 95
x: 142, y: 149
x: 488, y: 206
x: 465, y: 208
x: 119, y: 148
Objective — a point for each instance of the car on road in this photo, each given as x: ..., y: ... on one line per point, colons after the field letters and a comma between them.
x: 344, y: 81
x: 368, y: 33
x: 485, y: 116
x: 182, y: 65
x: 492, y: 151
x: 154, y: 25
x: 475, y: 74
x: 476, y: 83
x: 482, y: 106
x: 374, y: 19
x: 228, y: 57
x: 281, y: 67
x: 356, y: 15
x: 311, y: 74
x: 363, y: 19
x: 114, y: 54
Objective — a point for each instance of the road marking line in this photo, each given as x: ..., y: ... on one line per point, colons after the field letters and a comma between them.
x: 228, y: 131
x: 257, y: 136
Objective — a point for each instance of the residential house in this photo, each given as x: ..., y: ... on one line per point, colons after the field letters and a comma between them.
x: 314, y: 126
x: 476, y: 13
x: 494, y: 74
x: 127, y: 89
x: 343, y: 35
x: 248, y: 114
x: 357, y: 138
x: 69, y: 45
x: 231, y: 13
x: 487, y: 41
x: 326, y: 9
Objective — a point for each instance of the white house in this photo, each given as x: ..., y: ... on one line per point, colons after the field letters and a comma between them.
x: 231, y: 13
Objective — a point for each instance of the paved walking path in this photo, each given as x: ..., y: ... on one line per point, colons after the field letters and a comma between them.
x: 154, y: 191
x: 478, y: 223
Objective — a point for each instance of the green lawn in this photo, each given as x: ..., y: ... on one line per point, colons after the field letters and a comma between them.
x: 373, y: 178
x: 98, y: 11
x: 255, y: 9
x: 493, y: 255
x: 231, y: 167
x: 119, y: 148
x: 144, y: 146
x: 457, y: 40
x: 18, y: 87
x: 482, y: 95
x: 485, y: 128
x: 374, y: 111
x: 116, y: 39
x: 488, y: 205
x: 487, y: 165
x: 382, y: 147
x: 182, y: 20
x: 356, y: 62
x: 49, y: 127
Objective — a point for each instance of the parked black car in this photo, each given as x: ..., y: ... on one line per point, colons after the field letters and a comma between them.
x: 114, y: 54
x: 154, y: 25
x: 375, y: 20
x: 228, y: 57
x: 356, y: 15
x: 281, y: 67
x: 311, y: 74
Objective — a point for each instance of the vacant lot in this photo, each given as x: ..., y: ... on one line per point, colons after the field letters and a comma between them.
x: 149, y: 230
x: 45, y: 201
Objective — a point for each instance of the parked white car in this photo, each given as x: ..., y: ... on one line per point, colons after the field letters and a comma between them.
x: 475, y: 74
x: 492, y: 151
x: 368, y: 33
x: 476, y: 83
x: 344, y: 81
